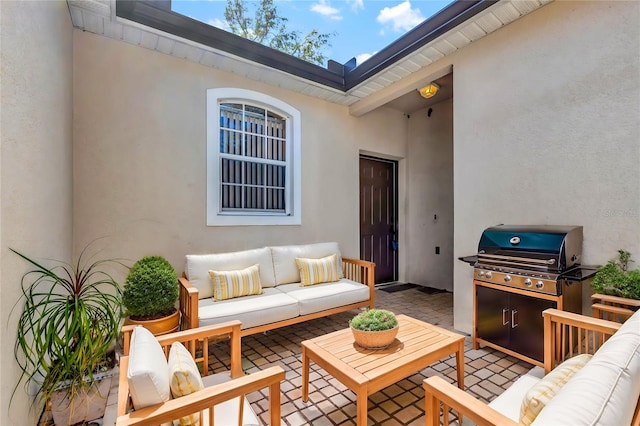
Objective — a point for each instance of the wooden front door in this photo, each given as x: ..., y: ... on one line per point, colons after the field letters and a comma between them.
x: 378, y: 216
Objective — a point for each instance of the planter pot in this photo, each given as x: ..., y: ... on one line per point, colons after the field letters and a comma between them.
x: 88, y: 404
x: 158, y: 326
x: 375, y: 339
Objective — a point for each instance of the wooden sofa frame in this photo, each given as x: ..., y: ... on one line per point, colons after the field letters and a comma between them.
x: 199, y: 401
x: 361, y: 271
x: 561, y: 330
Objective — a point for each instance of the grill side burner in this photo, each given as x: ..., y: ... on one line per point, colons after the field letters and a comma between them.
x: 518, y: 272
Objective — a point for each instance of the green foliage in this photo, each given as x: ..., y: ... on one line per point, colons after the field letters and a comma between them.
x: 270, y: 29
x: 374, y: 320
x: 151, y: 288
x: 615, y: 279
x: 69, y: 322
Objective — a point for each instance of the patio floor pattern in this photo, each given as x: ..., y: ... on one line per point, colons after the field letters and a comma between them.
x: 487, y: 372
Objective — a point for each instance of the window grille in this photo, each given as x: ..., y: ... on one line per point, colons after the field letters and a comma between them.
x: 253, y: 159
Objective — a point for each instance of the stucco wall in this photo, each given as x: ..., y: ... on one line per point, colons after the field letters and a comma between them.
x: 429, y: 194
x: 546, y: 131
x: 140, y: 149
x: 36, y: 163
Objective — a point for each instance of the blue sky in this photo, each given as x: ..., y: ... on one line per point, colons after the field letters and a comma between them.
x: 361, y: 27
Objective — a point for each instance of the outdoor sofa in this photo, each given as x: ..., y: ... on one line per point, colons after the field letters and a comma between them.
x: 573, y: 389
x: 329, y: 284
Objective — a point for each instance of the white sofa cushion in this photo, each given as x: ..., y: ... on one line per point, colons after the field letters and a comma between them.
x: 321, y: 297
x: 148, y: 371
x: 271, y: 306
x: 284, y: 259
x: 606, y: 390
x: 508, y: 402
x: 197, y: 267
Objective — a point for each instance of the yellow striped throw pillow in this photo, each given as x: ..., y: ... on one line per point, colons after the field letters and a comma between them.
x: 541, y: 393
x: 230, y: 284
x: 316, y: 271
x: 185, y: 379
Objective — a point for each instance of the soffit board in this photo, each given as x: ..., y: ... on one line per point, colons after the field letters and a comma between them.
x: 99, y: 17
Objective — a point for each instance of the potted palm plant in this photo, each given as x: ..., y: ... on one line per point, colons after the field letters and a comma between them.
x: 66, y: 336
x: 150, y: 294
x: 374, y: 328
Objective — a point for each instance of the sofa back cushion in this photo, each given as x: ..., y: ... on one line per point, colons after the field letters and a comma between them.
x: 284, y: 259
x: 197, y: 267
x: 148, y: 370
x: 606, y: 390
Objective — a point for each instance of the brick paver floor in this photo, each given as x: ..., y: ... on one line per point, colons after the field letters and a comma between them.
x: 487, y: 372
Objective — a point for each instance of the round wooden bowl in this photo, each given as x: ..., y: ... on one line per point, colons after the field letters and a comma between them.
x: 375, y: 339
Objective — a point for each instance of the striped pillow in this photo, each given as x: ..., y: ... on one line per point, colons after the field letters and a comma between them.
x: 230, y: 284
x: 316, y: 271
x: 541, y: 393
x: 185, y: 379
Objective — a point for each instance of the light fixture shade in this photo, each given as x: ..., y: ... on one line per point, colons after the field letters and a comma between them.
x: 429, y: 90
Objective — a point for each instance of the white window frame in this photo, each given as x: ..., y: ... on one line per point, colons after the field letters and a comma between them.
x: 215, y: 215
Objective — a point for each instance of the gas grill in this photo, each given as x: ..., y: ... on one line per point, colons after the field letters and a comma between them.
x: 529, y: 257
x: 519, y: 271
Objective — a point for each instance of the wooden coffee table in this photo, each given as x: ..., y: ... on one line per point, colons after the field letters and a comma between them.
x: 417, y: 345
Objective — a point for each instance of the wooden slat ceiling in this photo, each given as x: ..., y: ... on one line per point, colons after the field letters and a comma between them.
x: 99, y: 17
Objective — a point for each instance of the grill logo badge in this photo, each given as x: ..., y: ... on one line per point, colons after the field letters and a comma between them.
x: 514, y: 240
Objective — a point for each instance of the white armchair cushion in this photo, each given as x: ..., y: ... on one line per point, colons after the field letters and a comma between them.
x: 148, y: 371
x: 606, y: 390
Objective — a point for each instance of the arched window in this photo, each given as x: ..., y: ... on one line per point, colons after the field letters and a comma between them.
x: 253, y: 159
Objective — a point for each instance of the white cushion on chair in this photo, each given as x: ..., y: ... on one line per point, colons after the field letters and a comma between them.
x: 226, y: 413
x: 148, y: 371
x: 606, y: 390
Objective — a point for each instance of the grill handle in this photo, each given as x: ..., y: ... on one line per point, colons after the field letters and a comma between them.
x: 505, y: 316
x: 514, y: 318
x: 550, y: 261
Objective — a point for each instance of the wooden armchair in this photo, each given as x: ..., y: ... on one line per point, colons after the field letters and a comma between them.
x: 613, y: 308
x: 235, y: 385
x: 566, y: 334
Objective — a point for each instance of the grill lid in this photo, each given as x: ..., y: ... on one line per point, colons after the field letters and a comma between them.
x: 542, y: 247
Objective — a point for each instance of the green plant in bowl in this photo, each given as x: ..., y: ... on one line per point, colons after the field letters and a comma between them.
x: 374, y: 320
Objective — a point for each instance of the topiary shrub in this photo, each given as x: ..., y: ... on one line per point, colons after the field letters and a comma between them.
x: 151, y: 289
x: 374, y: 320
x: 615, y: 278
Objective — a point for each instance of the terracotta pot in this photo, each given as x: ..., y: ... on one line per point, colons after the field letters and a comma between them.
x: 158, y: 326
x: 375, y: 339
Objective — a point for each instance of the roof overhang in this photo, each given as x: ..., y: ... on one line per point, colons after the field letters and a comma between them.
x: 152, y: 25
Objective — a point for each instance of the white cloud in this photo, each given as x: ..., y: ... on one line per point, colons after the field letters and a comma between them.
x: 219, y: 23
x: 324, y: 9
x: 356, y: 4
x: 363, y: 57
x: 402, y: 17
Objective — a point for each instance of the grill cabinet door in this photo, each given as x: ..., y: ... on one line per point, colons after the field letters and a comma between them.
x: 527, y: 326
x: 492, y: 312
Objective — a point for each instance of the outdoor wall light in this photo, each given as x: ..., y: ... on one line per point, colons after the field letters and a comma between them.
x: 429, y: 90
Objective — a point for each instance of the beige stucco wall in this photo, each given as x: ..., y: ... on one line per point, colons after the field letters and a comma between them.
x: 547, y: 131
x: 36, y: 163
x: 140, y: 149
x: 429, y: 194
